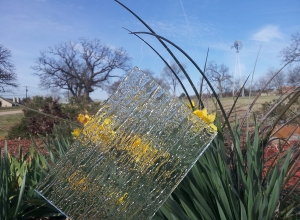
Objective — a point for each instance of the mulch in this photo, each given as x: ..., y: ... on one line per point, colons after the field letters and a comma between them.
x: 273, y: 150
x: 13, y: 146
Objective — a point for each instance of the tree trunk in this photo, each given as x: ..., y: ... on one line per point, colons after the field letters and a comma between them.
x: 86, y: 96
x: 220, y: 89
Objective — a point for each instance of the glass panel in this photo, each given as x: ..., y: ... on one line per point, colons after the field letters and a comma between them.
x: 130, y: 156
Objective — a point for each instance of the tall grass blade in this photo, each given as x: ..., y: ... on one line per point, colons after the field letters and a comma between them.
x: 259, y: 94
x: 167, y: 64
x: 200, y: 104
x: 198, y: 68
x: 166, y: 47
x: 21, y: 194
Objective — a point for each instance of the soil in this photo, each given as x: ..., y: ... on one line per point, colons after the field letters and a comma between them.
x: 287, y: 130
x: 272, y: 151
x: 293, y: 133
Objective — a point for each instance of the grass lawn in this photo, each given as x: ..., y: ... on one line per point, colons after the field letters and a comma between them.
x: 7, y: 121
x: 242, y: 103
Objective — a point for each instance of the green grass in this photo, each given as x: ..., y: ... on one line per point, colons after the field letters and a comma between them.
x: 7, y: 121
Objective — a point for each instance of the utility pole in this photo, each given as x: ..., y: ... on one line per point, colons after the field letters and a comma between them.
x: 26, y: 91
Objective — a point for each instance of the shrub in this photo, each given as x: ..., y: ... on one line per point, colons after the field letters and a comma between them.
x: 41, y: 124
x: 77, y: 106
x: 37, y: 119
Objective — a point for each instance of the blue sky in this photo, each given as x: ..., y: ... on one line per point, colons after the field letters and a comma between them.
x: 29, y: 26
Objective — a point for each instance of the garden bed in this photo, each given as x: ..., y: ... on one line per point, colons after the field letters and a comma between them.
x: 13, y: 148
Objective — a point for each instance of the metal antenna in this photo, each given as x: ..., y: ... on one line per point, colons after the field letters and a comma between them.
x: 237, y: 70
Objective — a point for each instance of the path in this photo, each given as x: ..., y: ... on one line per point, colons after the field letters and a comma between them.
x: 11, y: 112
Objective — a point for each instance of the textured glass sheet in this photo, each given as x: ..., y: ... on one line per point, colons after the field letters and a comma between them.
x: 130, y: 156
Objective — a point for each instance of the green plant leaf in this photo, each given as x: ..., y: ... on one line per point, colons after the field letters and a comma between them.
x: 21, y: 193
x: 274, y: 198
x: 221, y: 212
x: 243, y: 211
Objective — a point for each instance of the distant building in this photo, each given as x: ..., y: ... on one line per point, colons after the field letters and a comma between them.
x: 4, y: 103
x: 285, y: 89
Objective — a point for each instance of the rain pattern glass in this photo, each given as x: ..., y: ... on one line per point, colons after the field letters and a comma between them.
x: 130, y: 156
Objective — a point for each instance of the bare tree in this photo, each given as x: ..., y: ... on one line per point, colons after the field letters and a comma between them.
x: 260, y: 83
x: 160, y: 81
x: 169, y: 76
x: 227, y: 87
x: 111, y: 88
x: 79, y: 67
x: 219, y: 74
x: 278, y: 81
x: 292, y: 52
x: 8, y: 77
x: 293, y: 76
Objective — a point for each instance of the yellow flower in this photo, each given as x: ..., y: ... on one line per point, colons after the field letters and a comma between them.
x: 87, y: 117
x: 137, y: 142
x: 76, y: 132
x: 138, y: 149
x: 79, y: 182
x: 107, y: 121
x: 83, y: 119
x: 75, y: 184
x: 122, y: 199
x: 207, y: 118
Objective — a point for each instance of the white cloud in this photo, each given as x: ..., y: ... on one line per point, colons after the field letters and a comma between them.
x: 267, y: 33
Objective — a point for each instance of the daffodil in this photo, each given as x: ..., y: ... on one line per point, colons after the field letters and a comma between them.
x: 80, y: 182
x: 107, y: 121
x: 75, y: 184
x: 76, y: 132
x: 83, y: 119
x: 99, y: 129
x: 137, y: 142
x: 207, y: 118
x: 122, y: 199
